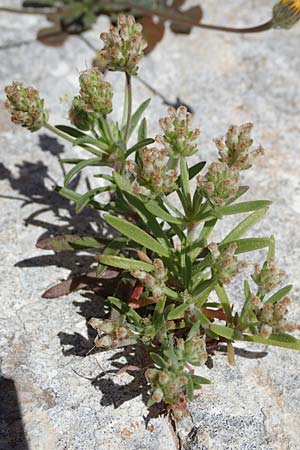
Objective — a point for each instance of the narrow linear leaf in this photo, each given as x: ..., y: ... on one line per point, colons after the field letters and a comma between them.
x: 159, y: 360
x: 140, y: 144
x: 195, y: 169
x: 271, y: 252
x: 245, y: 225
x: 124, y: 263
x: 86, y: 198
x: 136, y: 234
x: 279, y: 295
x: 278, y: 340
x: 243, y: 207
x: 226, y: 332
x: 71, y: 131
x: 249, y: 244
x: 136, y: 116
x: 173, y: 295
x: 81, y: 165
x: 197, y: 380
x: 156, y: 210
x: 178, y: 312
x: 190, y: 389
x: 142, y: 132
x: 223, y: 297
x: 184, y: 180
x: 130, y: 313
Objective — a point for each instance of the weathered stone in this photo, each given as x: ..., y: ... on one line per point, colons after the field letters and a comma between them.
x: 226, y: 79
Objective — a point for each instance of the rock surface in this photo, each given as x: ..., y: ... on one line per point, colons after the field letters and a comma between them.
x: 64, y: 403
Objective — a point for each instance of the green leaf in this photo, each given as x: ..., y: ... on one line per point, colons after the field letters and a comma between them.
x: 197, y: 380
x: 69, y: 242
x: 194, y: 331
x: 154, y: 208
x: 190, y: 388
x: 71, y: 131
x: 100, y: 144
x: 78, y: 167
x: 158, y: 315
x: 112, y: 248
x: 278, y: 340
x: 245, y: 309
x: 159, y: 360
x: 139, y: 145
x: 136, y: 116
x: 279, y: 294
x: 148, y: 219
x: 142, y: 132
x: 243, y: 207
x: 86, y: 198
x: 136, y: 234
x: 241, y: 191
x: 173, y: 295
x: 178, y: 312
x: 207, y: 229
x: 223, y: 297
x: 195, y: 169
x: 124, y: 263
x: 245, y: 225
x: 271, y: 252
x: 226, y: 332
x: 249, y: 244
x: 124, y: 309
x: 184, y: 181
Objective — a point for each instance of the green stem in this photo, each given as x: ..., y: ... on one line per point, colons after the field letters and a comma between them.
x: 129, y: 106
x: 59, y: 133
x: 69, y: 139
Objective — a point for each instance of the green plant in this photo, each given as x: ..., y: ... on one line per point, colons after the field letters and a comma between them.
x: 164, y: 212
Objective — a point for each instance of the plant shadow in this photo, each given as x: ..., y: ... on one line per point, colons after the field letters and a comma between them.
x: 31, y: 185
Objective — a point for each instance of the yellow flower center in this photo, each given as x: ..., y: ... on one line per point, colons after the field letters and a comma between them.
x: 294, y: 5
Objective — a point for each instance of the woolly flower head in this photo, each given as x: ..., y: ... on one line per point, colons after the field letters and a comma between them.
x: 26, y: 106
x: 151, y: 174
x: 123, y: 46
x: 179, y: 137
x: 235, y: 150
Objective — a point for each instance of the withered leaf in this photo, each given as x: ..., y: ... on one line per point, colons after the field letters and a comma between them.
x: 79, y: 282
x: 52, y: 36
x: 153, y: 32
x: 194, y: 13
x: 69, y: 243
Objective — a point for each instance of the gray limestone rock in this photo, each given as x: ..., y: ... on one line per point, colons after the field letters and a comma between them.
x: 65, y: 400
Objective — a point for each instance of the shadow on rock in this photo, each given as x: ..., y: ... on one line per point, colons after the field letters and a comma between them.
x: 12, y: 435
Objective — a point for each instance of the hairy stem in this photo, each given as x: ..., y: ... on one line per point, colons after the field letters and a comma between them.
x: 129, y: 106
x: 58, y: 132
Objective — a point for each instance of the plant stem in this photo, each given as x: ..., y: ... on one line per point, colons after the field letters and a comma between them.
x: 129, y: 106
x: 69, y: 139
x: 59, y: 133
x: 181, y: 18
x: 43, y: 11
